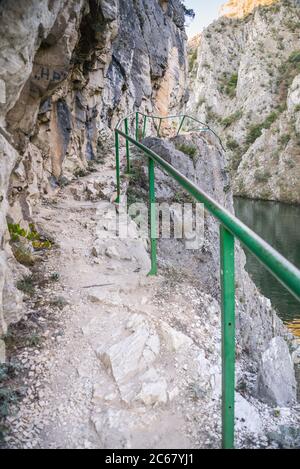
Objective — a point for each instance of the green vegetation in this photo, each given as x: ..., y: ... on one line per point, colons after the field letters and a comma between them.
x: 292, y: 25
x: 228, y: 84
x: 273, y: 8
x: 37, y: 241
x: 262, y: 177
x: 232, y: 144
x: 230, y: 89
x: 211, y: 115
x: 270, y: 119
x: 182, y: 197
x: 255, y: 130
x: 254, y: 133
x: 200, y: 102
x: 63, y: 182
x: 16, y: 232
x: 277, y: 413
x: 8, y: 396
x: 26, y: 285
x: 25, y: 333
x: 54, y: 277
x: 34, y: 340
x: 192, y: 59
x: 228, y: 121
x: 189, y: 12
x: 59, y: 302
x: 80, y: 173
x: 137, y: 182
x: 189, y: 150
x: 294, y: 57
x: 284, y: 140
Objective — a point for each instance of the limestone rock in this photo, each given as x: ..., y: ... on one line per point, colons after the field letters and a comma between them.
x: 276, y: 377
x: 123, y: 358
x: 12, y: 301
x: 154, y: 389
x: 68, y: 71
x: 239, y: 85
x: 2, y: 352
x: 247, y: 416
x: 128, y: 358
x: 241, y: 8
x: 114, y: 426
x: 174, y: 340
x: 129, y: 247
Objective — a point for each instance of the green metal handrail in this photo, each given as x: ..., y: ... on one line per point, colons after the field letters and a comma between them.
x: 230, y: 228
x: 182, y: 118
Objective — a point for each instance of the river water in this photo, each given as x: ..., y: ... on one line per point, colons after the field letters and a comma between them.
x: 279, y: 225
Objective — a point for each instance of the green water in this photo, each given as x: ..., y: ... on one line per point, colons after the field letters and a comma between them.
x: 279, y: 225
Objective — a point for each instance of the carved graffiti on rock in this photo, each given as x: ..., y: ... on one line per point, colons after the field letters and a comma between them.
x: 44, y: 73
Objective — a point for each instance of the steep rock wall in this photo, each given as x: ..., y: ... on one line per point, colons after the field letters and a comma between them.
x: 241, y: 8
x: 244, y: 81
x: 68, y: 71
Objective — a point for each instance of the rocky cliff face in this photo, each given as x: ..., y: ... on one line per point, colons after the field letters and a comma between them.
x: 68, y: 71
x: 245, y: 83
x: 241, y: 8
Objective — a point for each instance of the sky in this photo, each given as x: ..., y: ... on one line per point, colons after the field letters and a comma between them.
x: 206, y: 12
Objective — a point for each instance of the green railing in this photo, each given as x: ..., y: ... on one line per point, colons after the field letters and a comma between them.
x: 230, y: 228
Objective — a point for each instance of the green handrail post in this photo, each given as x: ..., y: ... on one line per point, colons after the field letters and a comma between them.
x: 137, y: 130
x: 153, y: 237
x: 117, y: 146
x: 228, y: 335
x: 127, y: 146
x: 181, y: 125
x: 144, y: 126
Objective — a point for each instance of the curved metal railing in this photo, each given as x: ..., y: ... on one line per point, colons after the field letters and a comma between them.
x: 182, y: 118
x: 230, y: 228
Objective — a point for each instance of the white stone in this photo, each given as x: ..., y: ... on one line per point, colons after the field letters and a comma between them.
x: 135, y: 322
x: 131, y: 356
x: 247, y: 416
x: 173, y: 339
x: 95, y: 298
x: 112, y: 252
x: 173, y: 393
x: 153, y: 393
x: 276, y: 376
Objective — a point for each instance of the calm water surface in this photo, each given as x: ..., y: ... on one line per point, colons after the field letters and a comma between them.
x: 279, y: 225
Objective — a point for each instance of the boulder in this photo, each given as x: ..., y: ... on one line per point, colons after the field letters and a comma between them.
x: 173, y: 339
x: 247, y: 416
x: 276, y: 377
x: 128, y: 358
